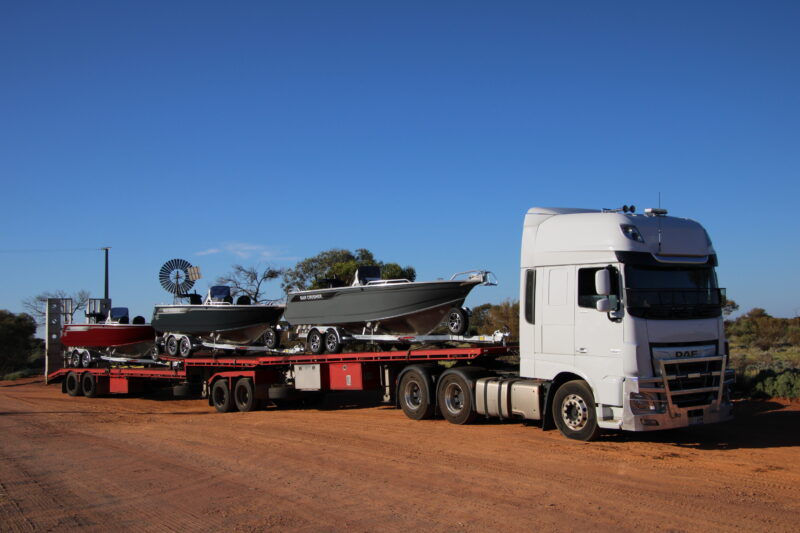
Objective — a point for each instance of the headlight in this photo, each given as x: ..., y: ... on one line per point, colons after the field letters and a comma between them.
x: 645, y: 404
x: 631, y: 232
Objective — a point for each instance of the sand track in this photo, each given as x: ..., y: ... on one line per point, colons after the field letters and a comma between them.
x: 150, y: 464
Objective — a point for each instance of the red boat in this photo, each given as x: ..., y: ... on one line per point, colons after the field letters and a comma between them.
x: 114, y: 336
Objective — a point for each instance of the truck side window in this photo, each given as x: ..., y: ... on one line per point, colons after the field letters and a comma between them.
x: 587, y: 297
x: 530, y: 294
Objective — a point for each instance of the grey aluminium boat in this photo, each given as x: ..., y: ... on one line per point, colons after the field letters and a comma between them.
x: 216, y: 319
x: 396, y: 307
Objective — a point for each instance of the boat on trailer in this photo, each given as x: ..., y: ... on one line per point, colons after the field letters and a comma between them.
x: 114, y: 335
x: 181, y: 328
x: 384, y: 309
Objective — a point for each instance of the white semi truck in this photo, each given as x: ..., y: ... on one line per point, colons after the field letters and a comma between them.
x: 620, y: 329
x: 620, y: 324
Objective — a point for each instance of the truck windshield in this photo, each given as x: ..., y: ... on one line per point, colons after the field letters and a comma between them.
x: 672, y: 293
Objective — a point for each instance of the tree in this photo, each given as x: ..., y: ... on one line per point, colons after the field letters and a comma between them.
x: 36, y: 306
x: 729, y: 307
x: 17, y: 341
x: 250, y: 280
x: 341, y: 265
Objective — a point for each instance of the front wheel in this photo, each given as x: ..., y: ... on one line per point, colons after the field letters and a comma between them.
x: 575, y: 412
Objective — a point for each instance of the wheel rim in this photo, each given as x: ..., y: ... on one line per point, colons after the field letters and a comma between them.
x: 86, y: 360
x: 454, y: 321
x: 185, y: 347
x: 331, y: 341
x: 454, y: 398
x: 412, y: 395
x: 172, y: 346
x: 314, y: 341
x: 269, y: 338
x: 574, y: 412
x: 76, y: 360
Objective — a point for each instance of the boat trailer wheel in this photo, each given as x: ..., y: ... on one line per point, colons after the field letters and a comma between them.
x: 86, y: 359
x: 316, y: 343
x: 185, y: 347
x: 75, y: 359
x: 332, y: 342
x: 457, y: 321
x: 171, y: 346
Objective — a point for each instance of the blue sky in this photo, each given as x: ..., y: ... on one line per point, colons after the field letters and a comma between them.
x: 247, y: 132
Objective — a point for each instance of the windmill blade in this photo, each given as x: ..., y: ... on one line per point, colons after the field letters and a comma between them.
x: 174, y: 276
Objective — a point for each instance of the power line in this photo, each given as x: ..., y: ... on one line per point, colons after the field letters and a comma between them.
x: 47, y: 250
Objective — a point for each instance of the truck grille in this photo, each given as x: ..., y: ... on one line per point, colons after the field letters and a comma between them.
x: 693, y: 382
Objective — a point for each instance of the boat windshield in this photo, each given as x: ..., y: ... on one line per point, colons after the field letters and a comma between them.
x: 673, y: 293
x: 219, y: 293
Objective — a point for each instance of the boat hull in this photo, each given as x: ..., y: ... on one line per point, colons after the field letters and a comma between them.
x: 396, y: 309
x: 230, y: 324
x: 125, y: 339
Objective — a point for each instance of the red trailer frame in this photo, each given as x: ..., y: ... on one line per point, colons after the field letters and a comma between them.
x: 241, y: 381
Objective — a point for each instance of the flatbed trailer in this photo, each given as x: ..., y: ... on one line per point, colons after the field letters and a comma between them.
x: 245, y: 382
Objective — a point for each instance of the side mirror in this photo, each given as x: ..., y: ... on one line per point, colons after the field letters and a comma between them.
x: 603, y: 305
x: 602, y: 282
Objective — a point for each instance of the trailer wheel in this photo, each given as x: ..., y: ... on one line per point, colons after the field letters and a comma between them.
x: 315, y: 342
x: 574, y: 411
x: 75, y: 359
x: 73, y: 384
x: 86, y: 359
x: 272, y: 339
x: 415, y: 396
x: 185, y: 347
x: 171, y: 346
x: 457, y: 321
x: 455, y: 400
x: 89, y: 385
x: 244, y: 395
x: 221, y: 396
x: 332, y: 342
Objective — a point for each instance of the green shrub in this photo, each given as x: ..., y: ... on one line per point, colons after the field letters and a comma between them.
x: 771, y: 383
x: 19, y: 374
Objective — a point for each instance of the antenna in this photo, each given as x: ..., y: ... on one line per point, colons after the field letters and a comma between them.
x: 106, y: 249
x: 177, y: 276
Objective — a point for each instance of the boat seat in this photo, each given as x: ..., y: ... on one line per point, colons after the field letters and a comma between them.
x: 195, y: 299
x: 123, y: 320
x: 138, y: 320
x: 243, y: 300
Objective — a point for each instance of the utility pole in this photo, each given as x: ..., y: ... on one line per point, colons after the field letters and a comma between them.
x: 106, y: 249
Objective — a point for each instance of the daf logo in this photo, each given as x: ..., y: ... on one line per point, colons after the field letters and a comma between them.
x: 688, y: 353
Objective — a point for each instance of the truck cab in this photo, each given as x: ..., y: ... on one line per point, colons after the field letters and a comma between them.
x: 626, y: 309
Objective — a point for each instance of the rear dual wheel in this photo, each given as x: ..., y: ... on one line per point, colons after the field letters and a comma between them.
x: 242, y: 398
x: 415, y: 397
x: 455, y: 400
x: 72, y: 384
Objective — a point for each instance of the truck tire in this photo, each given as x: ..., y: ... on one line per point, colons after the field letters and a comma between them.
x: 315, y: 342
x: 457, y: 321
x: 574, y: 411
x: 415, y: 396
x: 73, y: 384
x: 332, y: 342
x: 171, y: 346
x: 185, y: 347
x: 221, y: 396
x: 89, y: 385
x: 244, y: 395
x: 272, y: 339
x: 455, y: 400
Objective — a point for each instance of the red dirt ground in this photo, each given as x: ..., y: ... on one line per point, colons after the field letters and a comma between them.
x: 154, y: 464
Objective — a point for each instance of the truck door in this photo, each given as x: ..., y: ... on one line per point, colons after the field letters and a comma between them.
x: 596, y: 334
x: 558, y: 312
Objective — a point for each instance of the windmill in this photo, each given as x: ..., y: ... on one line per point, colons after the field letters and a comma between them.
x: 177, y: 276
